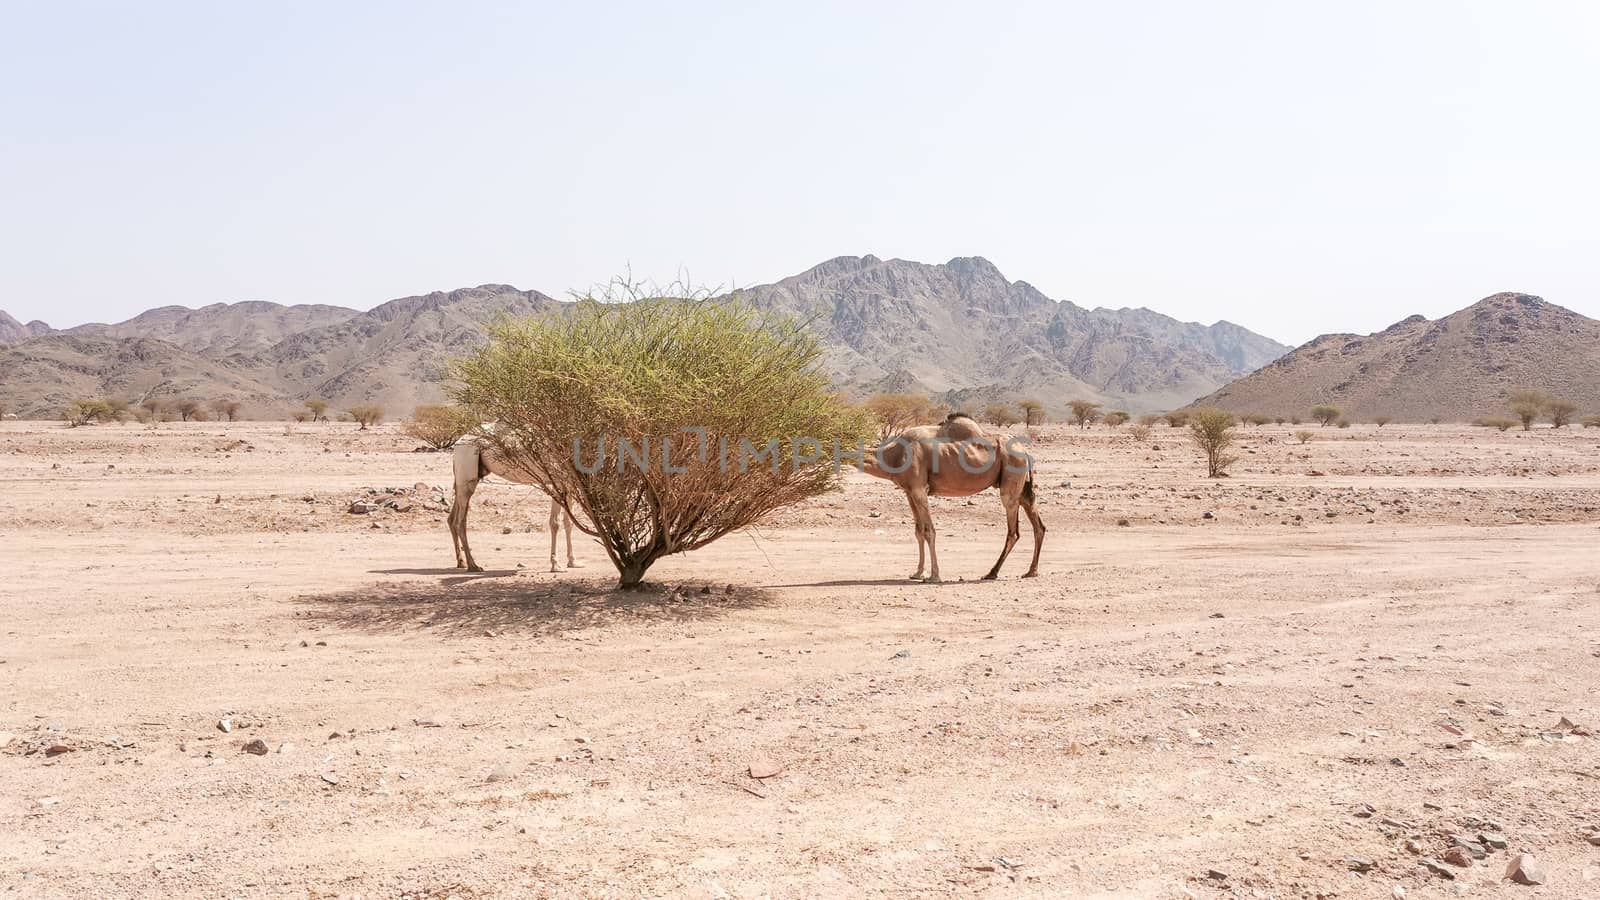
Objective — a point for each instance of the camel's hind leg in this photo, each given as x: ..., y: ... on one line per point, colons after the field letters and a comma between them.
x: 566, y: 518
x: 466, y: 464
x: 1011, y: 495
x: 916, y: 526
x: 1036, y: 523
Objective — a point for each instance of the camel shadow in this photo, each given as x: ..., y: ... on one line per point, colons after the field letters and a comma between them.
x: 860, y: 582
x: 519, y: 605
x: 457, y: 576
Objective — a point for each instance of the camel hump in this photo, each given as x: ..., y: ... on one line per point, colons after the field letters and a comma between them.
x: 960, y: 427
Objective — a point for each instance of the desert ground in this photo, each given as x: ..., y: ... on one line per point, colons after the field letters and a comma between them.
x: 1301, y: 681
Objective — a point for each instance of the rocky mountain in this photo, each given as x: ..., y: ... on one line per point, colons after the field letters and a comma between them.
x: 1457, y: 368
x: 14, y: 332
x: 222, y: 330
x: 959, y: 330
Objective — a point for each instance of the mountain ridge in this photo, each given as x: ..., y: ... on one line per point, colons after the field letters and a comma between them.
x: 959, y: 330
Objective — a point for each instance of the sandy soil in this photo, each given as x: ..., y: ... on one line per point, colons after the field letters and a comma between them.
x: 1358, y: 643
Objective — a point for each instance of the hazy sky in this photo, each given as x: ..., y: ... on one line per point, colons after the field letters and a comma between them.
x: 1293, y: 167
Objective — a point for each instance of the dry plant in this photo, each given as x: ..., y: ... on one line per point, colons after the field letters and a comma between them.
x: 1139, y: 432
x: 226, y: 409
x: 1499, y: 422
x: 1084, y: 412
x: 1591, y: 421
x: 190, y: 410
x: 1001, y: 414
x: 1326, y: 414
x: 1177, y: 418
x: 571, y: 395
x: 897, y: 412
x: 439, y: 426
x: 365, y: 415
x: 1343, y: 423
x: 1305, y: 436
x: 1116, y: 417
x: 84, y: 412
x: 1560, y: 411
x: 1526, y: 406
x: 1212, y: 431
x: 1032, y: 412
x: 318, y: 410
x: 1381, y: 421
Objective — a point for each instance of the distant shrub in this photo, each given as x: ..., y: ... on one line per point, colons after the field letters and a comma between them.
x: 1116, y: 417
x: 367, y: 414
x: 226, y: 409
x: 1294, y: 420
x: 1500, y: 422
x: 1212, y: 431
x: 897, y: 412
x: 1177, y: 418
x: 1258, y: 419
x: 83, y: 412
x: 1304, y: 436
x: 1381, y: 421
x: 1277, y: 420
x: 1002, y: 414
x: 318, y: 409
x: 1560, y: 411
x: 1526, y: 406
x: 1590, y: 421
x: 1344, y: 423
x: 1084, y: 412
x: 1325, y: 414
x: 439, y: 426
x: 1139, y: 432
x: 1032, y: 412
x: 189, y: 409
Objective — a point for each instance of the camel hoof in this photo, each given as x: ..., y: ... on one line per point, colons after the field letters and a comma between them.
x: 1030, y: 575
x: 917, y: 577
x: 933, y: 579
x: 474, y: 568
x: 991, y: 576
x: 574, y: 565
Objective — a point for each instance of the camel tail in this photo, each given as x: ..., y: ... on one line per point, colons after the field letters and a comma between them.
x: 1027, y: 488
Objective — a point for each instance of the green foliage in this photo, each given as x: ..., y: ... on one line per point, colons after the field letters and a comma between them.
x: 1326, y: 414
x: 1212, y: 431
x: 644, y: 371
x: 439, y: 426
x: 84, y: 412
x: 318, y: 409
x: 1116, y: 417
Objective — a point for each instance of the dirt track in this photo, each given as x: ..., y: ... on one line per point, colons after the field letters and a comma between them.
x: 1176, y: 695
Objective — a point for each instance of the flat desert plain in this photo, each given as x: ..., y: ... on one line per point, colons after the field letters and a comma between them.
x: 1306, y: 680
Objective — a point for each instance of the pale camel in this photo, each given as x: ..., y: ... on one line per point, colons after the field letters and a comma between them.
x: 471, y: 461
x: 956, y: 459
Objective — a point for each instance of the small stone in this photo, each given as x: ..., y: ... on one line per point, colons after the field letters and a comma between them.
x: 57, y: 750
x: 1358, y: 863
x: 1398, y: 892
x: 1438, y: 868
x: 1473, y: 848
x: 1458, y: 856
x: 225, y: 725
x: 1364, y: 811
x: 362, y: 508
x: 331, y: 778
x: 1524, y: 869
x: 257, y: 746
x: 764, y: 768
x: 1216, y: 875
x: 430, y: 720
x: 501, y: 772
x: 1594, y: 839
x: 901, y: 654
x: 505, y: 529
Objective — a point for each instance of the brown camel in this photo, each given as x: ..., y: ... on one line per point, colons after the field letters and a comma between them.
x: 957, y: 459
x: 471, y: 461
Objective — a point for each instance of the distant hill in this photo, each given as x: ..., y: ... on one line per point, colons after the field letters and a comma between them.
x: 1457, y: 368
x: 14, y: 332
x: 222, y: 329
x: 960, y: 331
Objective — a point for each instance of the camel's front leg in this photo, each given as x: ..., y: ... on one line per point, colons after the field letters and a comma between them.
x: 919, y: 502
x: 554, y: 525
